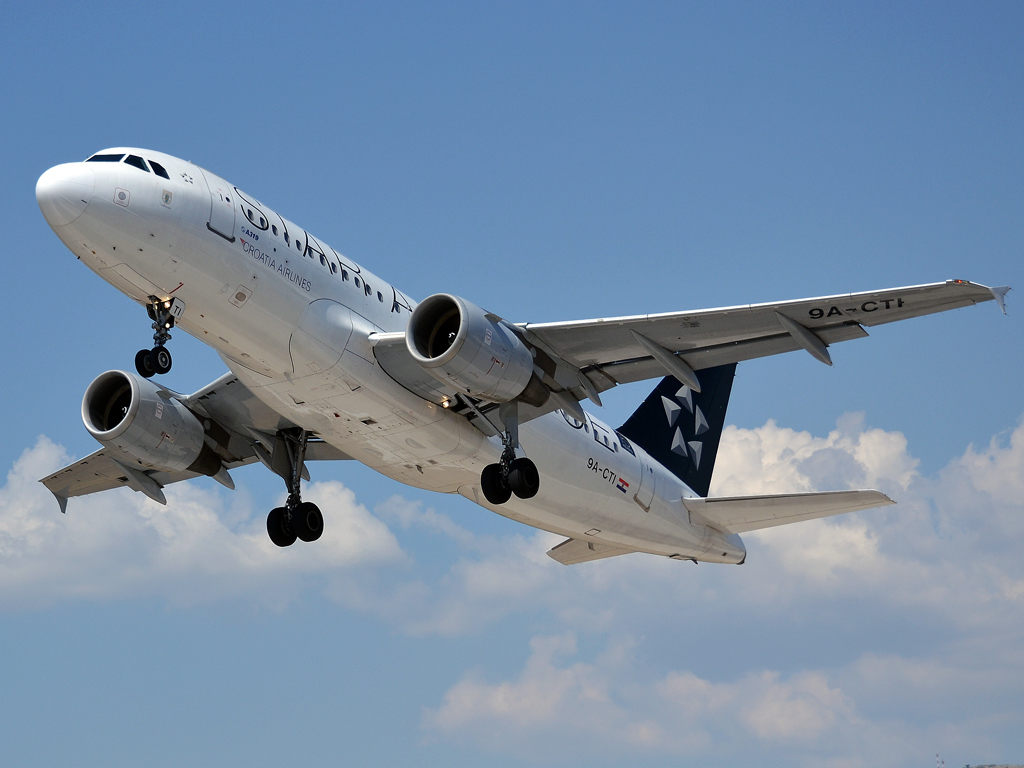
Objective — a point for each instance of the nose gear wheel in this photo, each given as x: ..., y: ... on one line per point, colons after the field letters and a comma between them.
x: 163, y: 313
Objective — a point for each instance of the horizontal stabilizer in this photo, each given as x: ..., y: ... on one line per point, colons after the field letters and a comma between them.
x: 738, y: 514
x: 572, y: 551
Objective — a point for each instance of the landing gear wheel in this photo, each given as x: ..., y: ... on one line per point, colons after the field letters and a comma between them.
x: 161, y: 359
x: 523, y: 478
x: 144, y: 363
x: 307, y: 521
x: 494, y: 485
x: 277, y: 527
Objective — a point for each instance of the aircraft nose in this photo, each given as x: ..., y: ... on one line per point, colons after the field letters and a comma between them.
x: 64, y: 192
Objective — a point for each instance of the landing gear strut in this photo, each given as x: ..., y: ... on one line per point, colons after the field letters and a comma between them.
x: 297, y: 519
x: 149, y: 362
x: 510, y: 475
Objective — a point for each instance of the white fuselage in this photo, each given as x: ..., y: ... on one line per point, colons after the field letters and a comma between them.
x: 257, y: 290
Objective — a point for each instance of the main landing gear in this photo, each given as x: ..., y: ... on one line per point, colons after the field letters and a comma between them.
x: 149, y: 362
x: 297, y: 519
x: 510, y: 475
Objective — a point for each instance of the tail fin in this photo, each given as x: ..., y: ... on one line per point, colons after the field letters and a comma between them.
x: 681, y: 428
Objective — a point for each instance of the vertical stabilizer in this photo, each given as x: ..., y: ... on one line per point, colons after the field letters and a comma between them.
x: 681, y: 428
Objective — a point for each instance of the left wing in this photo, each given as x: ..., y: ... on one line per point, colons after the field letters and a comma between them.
x: 608, y: 351
x: 580, y: 359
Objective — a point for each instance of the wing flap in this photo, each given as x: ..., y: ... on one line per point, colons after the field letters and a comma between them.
x: 573, y: 551
x: 739, y: 514
x: 627, y: 371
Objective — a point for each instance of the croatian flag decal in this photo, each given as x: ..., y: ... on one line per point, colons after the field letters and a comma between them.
x: 622, y: 485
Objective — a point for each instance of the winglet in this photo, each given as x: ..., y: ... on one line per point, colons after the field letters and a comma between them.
x: 999, y: 294
x: 62, y: 500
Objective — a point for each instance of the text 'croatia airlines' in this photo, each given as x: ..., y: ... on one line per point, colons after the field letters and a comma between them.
x: 329, y: 362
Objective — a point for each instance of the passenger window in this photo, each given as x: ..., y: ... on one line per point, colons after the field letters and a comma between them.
x: 286, y: 237
x: 298, y: 244
x: 105, y: 159
x: 380, y: 297
x: 334, y: 268
x: 158, y: 169
x: 136, y: 162
x: 274, y: 228
x: 367, y: 289
x: 344, y: 274
x: 357, y: 282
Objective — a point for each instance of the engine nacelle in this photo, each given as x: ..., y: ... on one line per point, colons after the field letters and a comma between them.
x: 457, y: 343
x: 135, y: 415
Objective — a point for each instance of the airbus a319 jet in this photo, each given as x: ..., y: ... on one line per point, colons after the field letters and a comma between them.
x: 328, y: 361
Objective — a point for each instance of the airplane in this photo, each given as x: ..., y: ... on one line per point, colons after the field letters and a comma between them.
x: 327, y: 361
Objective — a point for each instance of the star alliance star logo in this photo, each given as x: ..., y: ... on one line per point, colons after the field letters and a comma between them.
x: 674, y: 408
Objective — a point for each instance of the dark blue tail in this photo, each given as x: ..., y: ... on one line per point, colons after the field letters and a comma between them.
x: 681, y: 428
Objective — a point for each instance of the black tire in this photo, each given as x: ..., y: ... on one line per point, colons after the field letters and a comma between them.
x: 307, y: 521
x: 144, y: 364
x: 278, y: 529
x: 523, y: 478
x: 496, y: 489
x: 161, y: 359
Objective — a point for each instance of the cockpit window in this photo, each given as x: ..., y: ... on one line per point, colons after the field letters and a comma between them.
x: 136, y: 161
x: 105, y: 159
x: 158, y: 169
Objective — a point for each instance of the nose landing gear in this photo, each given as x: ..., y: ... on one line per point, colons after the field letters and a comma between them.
x: 297, y: 519
x: 149, y: 362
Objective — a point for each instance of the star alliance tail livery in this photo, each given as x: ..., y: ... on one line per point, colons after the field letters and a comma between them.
x: 330, y: 362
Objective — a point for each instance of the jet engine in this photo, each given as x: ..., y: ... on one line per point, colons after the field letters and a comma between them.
x: 471, y: 350
x: 146, y: 422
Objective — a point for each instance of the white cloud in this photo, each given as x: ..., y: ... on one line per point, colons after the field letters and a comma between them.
x: 931, y: 589
x: 560, y: 707
x: 121, y: 544
x: 938, y: 576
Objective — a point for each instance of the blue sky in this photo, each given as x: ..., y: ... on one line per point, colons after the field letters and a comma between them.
x: 547, y: 162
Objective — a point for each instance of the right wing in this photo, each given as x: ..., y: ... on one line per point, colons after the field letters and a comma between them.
x: 242, y: 429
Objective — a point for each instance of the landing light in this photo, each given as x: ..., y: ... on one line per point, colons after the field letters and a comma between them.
x: 167, y: 305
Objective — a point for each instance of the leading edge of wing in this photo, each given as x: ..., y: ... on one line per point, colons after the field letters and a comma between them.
x: 978, y: 293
